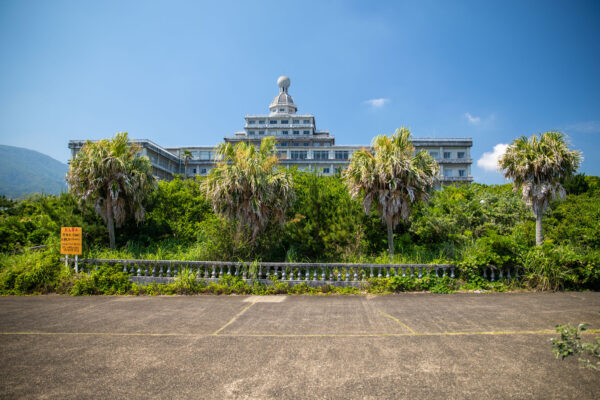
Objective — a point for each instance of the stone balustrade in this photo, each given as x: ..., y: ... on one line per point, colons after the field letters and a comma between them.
x: 315, y: 274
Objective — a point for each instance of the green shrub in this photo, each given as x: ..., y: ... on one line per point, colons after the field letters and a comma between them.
x: 107, y: 279
x: 552, y: 267
x: 31, y: 272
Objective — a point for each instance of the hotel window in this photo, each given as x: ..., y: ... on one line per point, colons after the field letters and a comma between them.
x: 295, y: 121
x: 299, y: 155
x: 321, y: 155
x: 193, y: 170
x: 261, y: 132
x: 282, y: 109
x: 296, y: 144
x: 251, y: 133
x: 447, y: 154
x: 285, y: 132
x: 460, y: 154
x: 203, y: 171
x: 326, y: 144
x: 316, y: 144
x: 306, y: 132
x: 434, y: 154
x: 205, y: 155
x: 296, y: 132
x: 448, y: 173
x: 462, y: 173
x: 325, y: 170
x: 285, y: 121
x: 251, y: 122
x: 341, y: 154
x: 282, y: 154
x: 262, y: 121
x: 283, y: 144
x: 307, y: 121
x: 273, y: 122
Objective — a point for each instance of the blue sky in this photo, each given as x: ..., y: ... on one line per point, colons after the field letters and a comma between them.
x: 185, y: 73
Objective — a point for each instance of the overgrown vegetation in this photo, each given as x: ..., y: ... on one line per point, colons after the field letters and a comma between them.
x: 570, y: 344
x: 471, y: 226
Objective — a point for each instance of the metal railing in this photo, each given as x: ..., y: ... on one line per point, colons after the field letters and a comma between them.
x: 292, y: 272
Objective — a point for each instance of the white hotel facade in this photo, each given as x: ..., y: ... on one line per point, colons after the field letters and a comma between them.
x: 299, y: 144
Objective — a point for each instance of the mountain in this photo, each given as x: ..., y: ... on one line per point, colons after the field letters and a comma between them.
x: 24, y: 171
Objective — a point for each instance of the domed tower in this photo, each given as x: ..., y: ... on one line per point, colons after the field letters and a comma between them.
x: 283, y: 103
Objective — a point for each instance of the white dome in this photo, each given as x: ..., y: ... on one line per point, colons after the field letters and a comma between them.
x: 283, y: 82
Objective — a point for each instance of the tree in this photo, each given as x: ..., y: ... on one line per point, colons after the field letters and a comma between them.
x: 110, y: 175
x: 248, y: 187
x: 391, y: 176
x: 536, y: 166
x: 187, y: 156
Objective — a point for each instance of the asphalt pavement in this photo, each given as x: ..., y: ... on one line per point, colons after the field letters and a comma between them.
x: 413, y: 346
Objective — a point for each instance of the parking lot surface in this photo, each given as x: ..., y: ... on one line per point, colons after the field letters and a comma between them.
x: 417, y: 346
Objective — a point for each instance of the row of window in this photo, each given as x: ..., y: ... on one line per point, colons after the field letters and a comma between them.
x: 275, y: 122
x: 447, y: 154
x: 303, y: 144
x: 252, y: 133
x: 448, y: 173
x: 317, y: 155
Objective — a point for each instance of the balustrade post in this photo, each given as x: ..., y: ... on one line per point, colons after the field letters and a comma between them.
x: 379, y: 274
x: 356, y: 274
x: 307, y: 273
x: 420, y: 272
x: 508, y: 273
x: 452, y: 271
x: 492, y: 274
x: 323, y: 273
x: 125, y: 266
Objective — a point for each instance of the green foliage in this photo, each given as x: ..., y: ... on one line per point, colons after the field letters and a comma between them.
x: 325, y: 223
x: 570, y: 344
x: 110, y: 175
x: 460, y: 213
x: 552, y: 267
x: 575, y: 221
x: 31, y: 272
x: 107, y: 279
x: 37, y: 219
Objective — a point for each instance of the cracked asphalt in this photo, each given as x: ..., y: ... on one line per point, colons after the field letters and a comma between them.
x: 414, y: 345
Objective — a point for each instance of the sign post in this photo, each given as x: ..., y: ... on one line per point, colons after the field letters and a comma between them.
x: 70, y: 243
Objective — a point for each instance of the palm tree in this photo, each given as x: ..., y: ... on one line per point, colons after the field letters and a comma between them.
x: 391, y: 176
x: 110, y: 175
x: 246, y: 185
x: 187, y: 156
x: 536, y: 166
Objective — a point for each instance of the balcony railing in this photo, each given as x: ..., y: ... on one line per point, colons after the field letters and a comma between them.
x: 343, y: 274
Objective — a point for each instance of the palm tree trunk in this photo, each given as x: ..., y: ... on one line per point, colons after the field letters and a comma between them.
x: 539, y: 234
x: 390, y: 232
x: 110, y: 221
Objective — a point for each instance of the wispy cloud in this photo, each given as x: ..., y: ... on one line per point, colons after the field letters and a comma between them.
x: 472, y: 119
x: 377, y: 103
x: 584, y: 127
x: 489, y: 160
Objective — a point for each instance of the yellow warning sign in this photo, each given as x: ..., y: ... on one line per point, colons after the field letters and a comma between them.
x: 70, y: 240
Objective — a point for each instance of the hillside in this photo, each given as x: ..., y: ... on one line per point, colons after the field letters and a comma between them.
x: 24, y: 171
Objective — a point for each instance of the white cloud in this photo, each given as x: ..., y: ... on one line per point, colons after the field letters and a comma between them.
x: 584, y: 127
x: 489, y: 160
x: 472, y: 119
x: 377, y: 103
